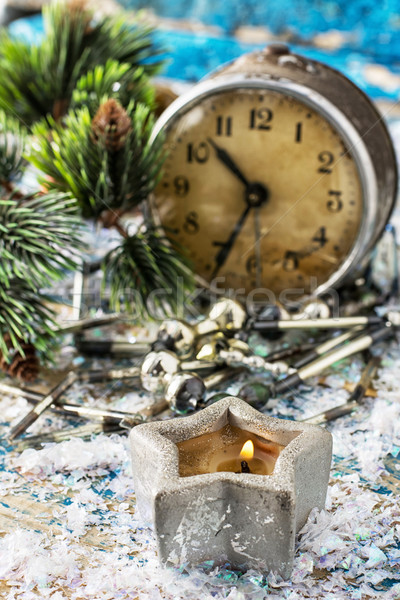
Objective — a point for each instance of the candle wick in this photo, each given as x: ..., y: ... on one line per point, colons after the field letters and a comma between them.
x: 245, y: 467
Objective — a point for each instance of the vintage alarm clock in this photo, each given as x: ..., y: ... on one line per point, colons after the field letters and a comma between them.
x: 280, y: 174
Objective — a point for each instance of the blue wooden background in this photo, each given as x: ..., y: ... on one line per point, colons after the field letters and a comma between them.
x: 350, y: 35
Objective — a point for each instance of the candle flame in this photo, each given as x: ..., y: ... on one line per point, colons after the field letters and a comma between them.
x: 247, y: 452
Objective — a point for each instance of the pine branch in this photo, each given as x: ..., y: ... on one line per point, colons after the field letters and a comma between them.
x: 146, y: 274
x: 25, y: 318
x: 81, y: 162
x: 39, y: 239
x: 12, y: 141
x: 112, y: 80
x: 38, y: 81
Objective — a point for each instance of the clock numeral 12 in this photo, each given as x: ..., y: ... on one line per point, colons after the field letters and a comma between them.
x: 224, y: 125
x: 261, y: 118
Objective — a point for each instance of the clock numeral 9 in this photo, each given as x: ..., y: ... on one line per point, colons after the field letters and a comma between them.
x: 290, y: 261
x: 198, y: 152
x: 326, y: 158
x: 191, y: 225
x: 261, y: 118
x: 181, y: 185
x: 335, y: 203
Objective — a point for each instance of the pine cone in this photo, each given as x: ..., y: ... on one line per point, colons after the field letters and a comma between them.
x: 111, y: 124
x: 80, y: 11
x: 25, y: 367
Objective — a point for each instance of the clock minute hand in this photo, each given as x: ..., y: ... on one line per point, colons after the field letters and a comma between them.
x: 227, y: 160
x: 227, y: 247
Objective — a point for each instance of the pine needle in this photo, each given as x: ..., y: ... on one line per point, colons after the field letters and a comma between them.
x: 37, y: 82
x: 147, y: 274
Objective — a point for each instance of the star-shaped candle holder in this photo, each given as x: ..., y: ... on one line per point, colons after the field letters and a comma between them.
x: 229, y: 484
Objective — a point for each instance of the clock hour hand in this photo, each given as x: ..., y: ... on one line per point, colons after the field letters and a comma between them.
x: 228, y: 161
x: 227, y: 246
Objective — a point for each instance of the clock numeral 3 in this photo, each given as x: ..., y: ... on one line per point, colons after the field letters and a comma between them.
x: 261, y: 118
x: 181, y: 185
x: 326, y: 158
x: 191, y: 225
x: 224, y: 126
x: 198, y: 152
x: 335, y: 203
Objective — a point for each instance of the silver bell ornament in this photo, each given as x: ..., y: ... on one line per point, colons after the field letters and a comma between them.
x: 314, y: 308
x: 273, y: 312
x: 185, y: 393
x: 224, y: 315
x: 157, y: 370
x: 177, y: 336
x: 211, y: 346
x: 228, y: 314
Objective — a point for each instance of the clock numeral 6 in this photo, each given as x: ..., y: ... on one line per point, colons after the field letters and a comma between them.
x: 181, y: 185
x: 198, y: 152
x: 191, y: 225
x: 261, y: 118
x: 251, y: 265
x: 335, y: 203
x: 326, y: 158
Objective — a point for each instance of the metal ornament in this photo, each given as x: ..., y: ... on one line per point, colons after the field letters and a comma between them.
x: 257, y: 394
x: 354, y: 400
x: 210, y: 350
x: 43, y: 405
x: 326, y: 346
x: 314, y: 308
x: 225, y: 315
x: 186, y: 392
x: 330, y: 323
x: 239, y: 354
x: 177, y: 336
x: 362, y: 342
x: 273, y: 312
x: 157, y: 369
x: 228, y: 314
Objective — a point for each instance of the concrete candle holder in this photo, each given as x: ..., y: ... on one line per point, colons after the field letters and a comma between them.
x: 247, y: 519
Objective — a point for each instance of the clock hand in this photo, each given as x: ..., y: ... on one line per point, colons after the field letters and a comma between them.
x: 227, y: 247
x: 225, y: 158
x: 297, y: 255
x: 257, y: 232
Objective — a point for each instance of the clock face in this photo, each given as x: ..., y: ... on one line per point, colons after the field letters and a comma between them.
x: 261, y: 190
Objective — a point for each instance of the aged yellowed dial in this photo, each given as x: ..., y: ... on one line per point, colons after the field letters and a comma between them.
x: 279, y: 175
x: 261, y: 190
